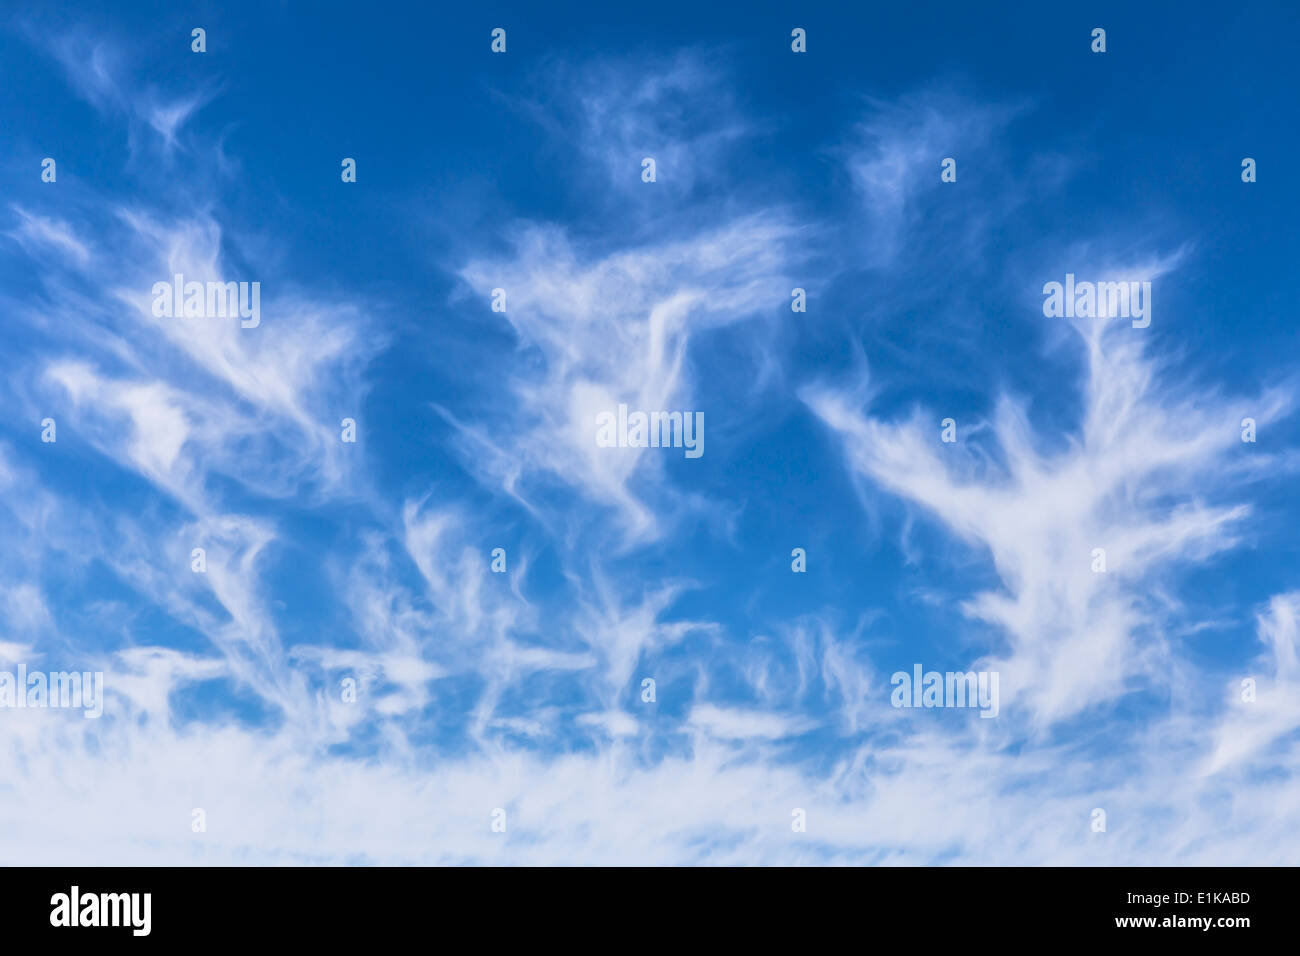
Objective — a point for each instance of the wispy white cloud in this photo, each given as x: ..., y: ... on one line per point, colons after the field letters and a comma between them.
x: 99, y: 69
x: 1269, y: 712
x: 599, y: 330
x: 894, y: 166
x: 1135, y: 479
x: 35, y: 231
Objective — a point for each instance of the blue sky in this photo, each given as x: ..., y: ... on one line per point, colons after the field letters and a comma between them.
x: 370, y: 561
